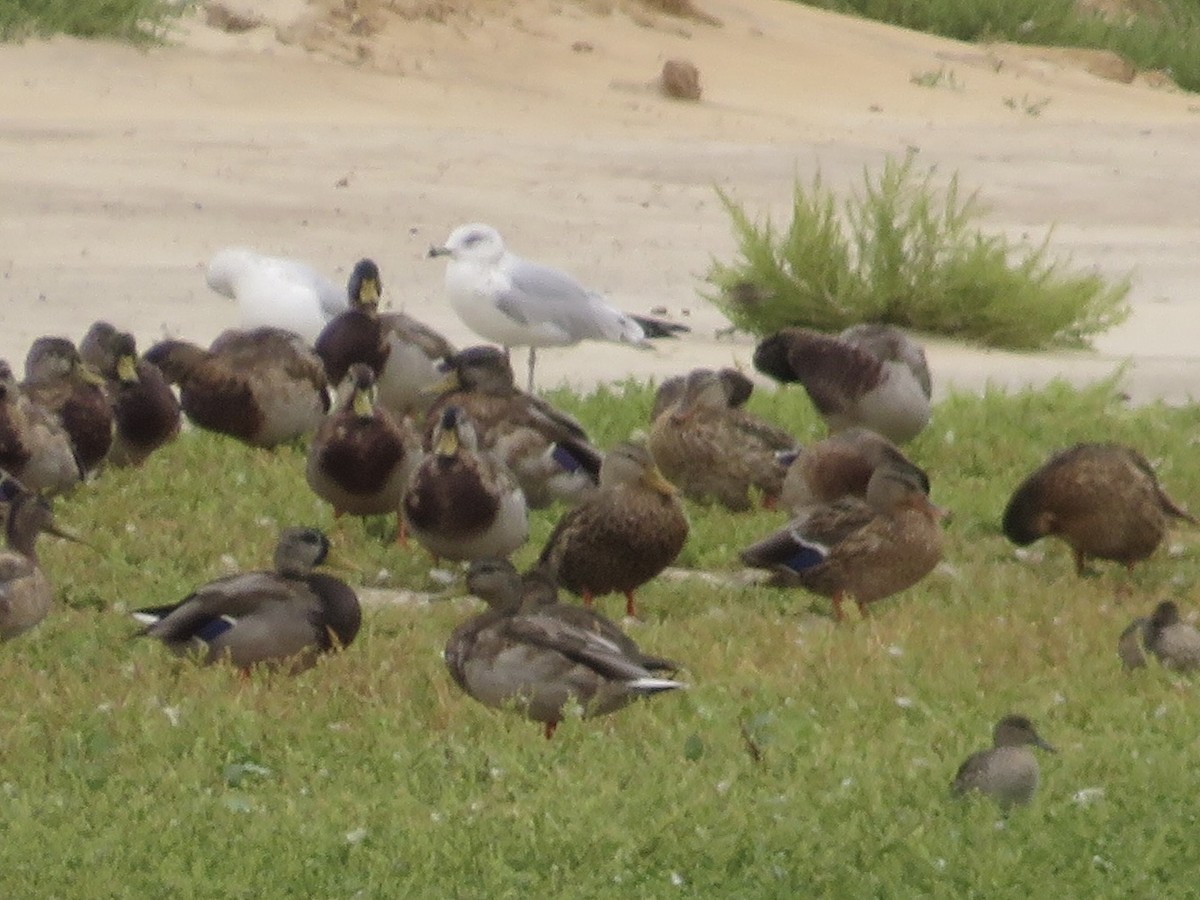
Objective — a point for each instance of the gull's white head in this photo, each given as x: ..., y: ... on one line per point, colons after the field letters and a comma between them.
x: 475, y: 242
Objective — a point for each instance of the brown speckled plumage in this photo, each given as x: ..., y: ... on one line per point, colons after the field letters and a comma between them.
x: 861, y: 549
x: 263, y: 386
x: 1103, y: 500
x: 34, y: 447
x: 713, y: 450
x: 838, y: 466
x: 621, y: 536
x: 547, y: 450
x: 26, y: 595
x: 57, y: 381
x: 869, y: 375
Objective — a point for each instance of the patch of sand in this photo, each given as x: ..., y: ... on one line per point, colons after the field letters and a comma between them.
x: 335, y: 130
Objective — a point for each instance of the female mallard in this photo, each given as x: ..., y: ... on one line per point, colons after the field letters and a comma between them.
x: 34, y: 447
x: 865, y: 549
x: 870, y: 375
x: 401, y: 351
x: 283, y: 618
x: 57, y: 380
x: 361, y: 459
x: 25, y: 593
x: 264, y: 387
x: 145, y: 409
x: 1175, y: 642
x: 622, y: 535
x: 713, y: 450
x: 540, y: 656
x: 738, y: 389
x: 461, y: 503
x: 1009, y: 771
x: 838, y: 466
x: 1103, y: 500
x: 547, y: 450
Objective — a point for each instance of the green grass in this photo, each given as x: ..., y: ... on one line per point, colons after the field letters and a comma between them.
x: 904, y: 252
x: 808, y: 759
x: 1166, y: 37
x: 138, y: 21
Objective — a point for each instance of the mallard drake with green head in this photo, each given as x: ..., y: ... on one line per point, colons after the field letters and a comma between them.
x: 547, y: 450
x: 402, y: 352
x: 461, y: 502
x: 264, y: 387
x: 34, y: 446
x: 361, y: 459
x: 283, y: 619
x: 26, y: 595
x: 863, y: 549
x: 1103, y: 500
x: 145, y: 409
x: 57, y: 379
x: 1008, y: 772
x: 713, y: 450
x: 838, y: 466
x: 536, y: 655
x: 870, y: 375
x: 622, y: 535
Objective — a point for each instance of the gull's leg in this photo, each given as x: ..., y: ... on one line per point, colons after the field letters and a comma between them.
x: 532, y: 360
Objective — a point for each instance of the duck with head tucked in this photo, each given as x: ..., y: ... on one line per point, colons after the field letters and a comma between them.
x: 282, y: 619
x: 263, y: 387
x: 866, y: 550
x: 547, y: 450
x: 539, y: 656
x: 871, y: 375
x: 402, y: 352
x: 1009, y: 772
x: 361, y: 459
x: 34, y: 446
x: 1103, y: 500
x: 145, y: 409
x: 713, y: 450
x: 57, y: 379
x: 738, y: 389
x: 26, y: 595
x: 838, y: 466
x: 275, y: 291
x: 462, y: 503
x: 622, y: 535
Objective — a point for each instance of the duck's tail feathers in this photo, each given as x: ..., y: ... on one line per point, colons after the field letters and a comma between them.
x: 659, y: 328
x: 649, y: 685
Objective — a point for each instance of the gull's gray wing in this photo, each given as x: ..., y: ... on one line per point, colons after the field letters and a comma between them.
x: 539, y: 294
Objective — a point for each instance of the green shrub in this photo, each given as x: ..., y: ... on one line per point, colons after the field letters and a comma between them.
x: 128, y: 20
x: 1167, y: 38
x: 906, y: 254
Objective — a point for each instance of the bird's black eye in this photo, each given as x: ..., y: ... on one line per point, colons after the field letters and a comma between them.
x: 473, y: 238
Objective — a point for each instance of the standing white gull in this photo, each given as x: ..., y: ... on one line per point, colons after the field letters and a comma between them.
x: 272, y: 290
x: 519, y: 303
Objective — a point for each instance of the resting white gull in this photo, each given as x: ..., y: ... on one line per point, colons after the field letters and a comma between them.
x: 272, y: 290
